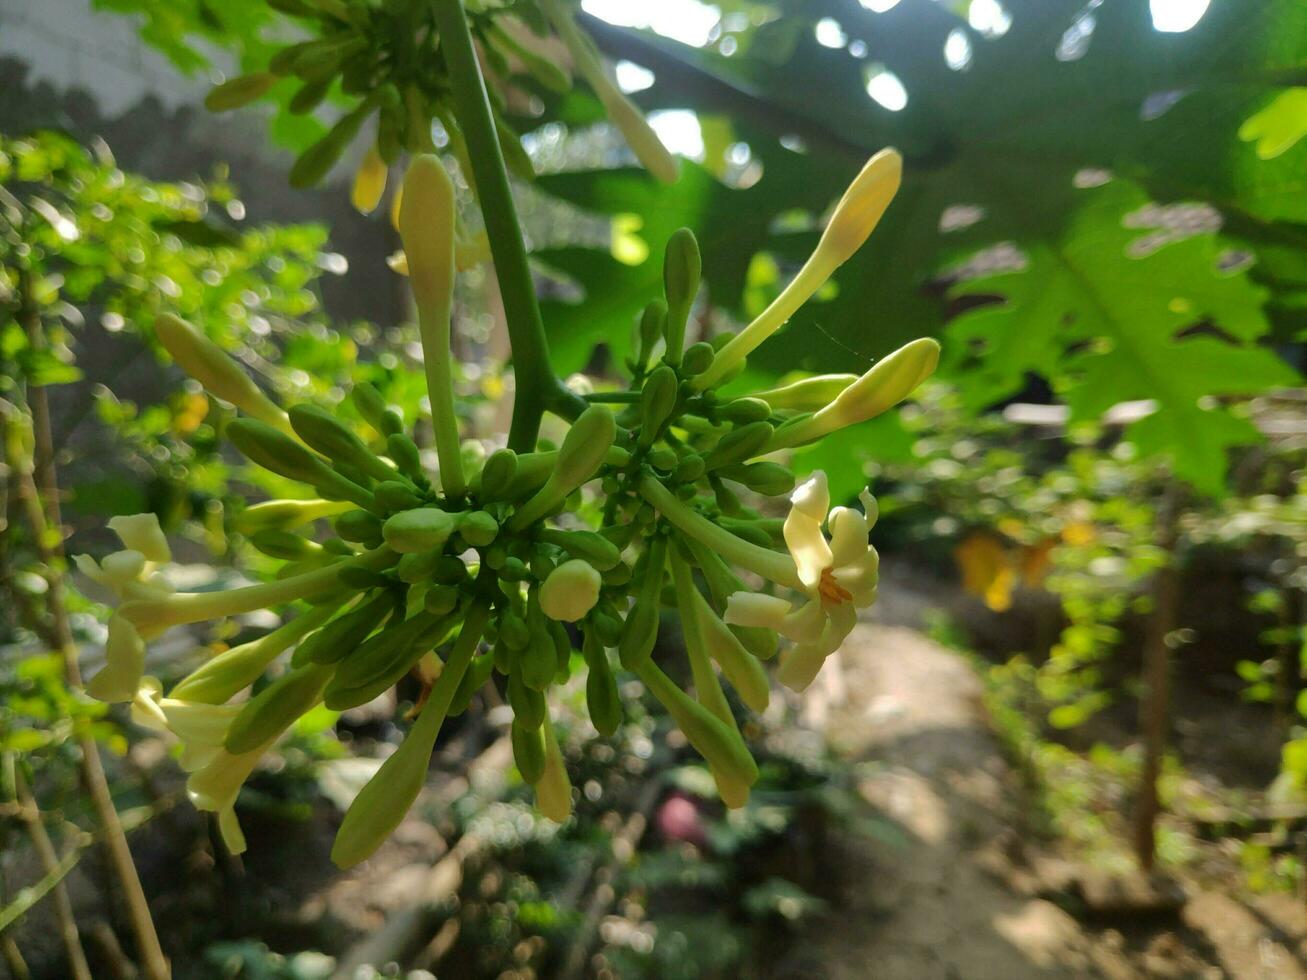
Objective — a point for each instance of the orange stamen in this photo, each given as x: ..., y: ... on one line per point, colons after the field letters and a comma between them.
x: 830, y: 590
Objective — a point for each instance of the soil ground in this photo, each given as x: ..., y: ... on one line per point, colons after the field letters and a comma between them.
x: 968, y: 894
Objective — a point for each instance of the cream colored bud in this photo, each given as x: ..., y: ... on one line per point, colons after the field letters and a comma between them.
x: 570, y: 591
x: 369, y: 182
x: 861, y: 207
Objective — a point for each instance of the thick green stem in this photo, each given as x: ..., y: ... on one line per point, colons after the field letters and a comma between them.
x: 538, y: 388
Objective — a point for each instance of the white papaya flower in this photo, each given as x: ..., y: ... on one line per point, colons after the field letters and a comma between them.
x: 839, y: 576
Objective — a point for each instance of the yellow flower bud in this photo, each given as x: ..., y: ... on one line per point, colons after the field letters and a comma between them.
x: 369, y: 182
x: 860, y: 208
x: 553, y: 789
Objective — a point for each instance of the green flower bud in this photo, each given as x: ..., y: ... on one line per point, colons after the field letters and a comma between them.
x: 477, y: 674
x: 497, y: 474
x: 571, y: 591
x: 404, y: 452
x: 641, y: 630
x: 240, y: 91
x: 553, y: 789
x: 617, y: 576
x: 395, y: 496
x: 221, y: 678
x: 284, y: 544
x: 527, y: 703
x: 607, y: 627
x: 528, y: 750
x: 478, y: 528
x: 370, y: 404
x: 377, y: 664
x: 360, y: 526
x: 697, y: 359
x: 663, y: 459
x: 275, y: 708
x: 741, y: 443
x: 513, y: 630
x: 652, y: 323
x: 657, y: 402
x: 767, y: 478
x: 584, y: 450
x: 423, y: 529
x: 343, y: 635
x: 363, y: 579
x: 441, y: 600
x: 682, y: 269
x: 279, y: 453
x: 741, y: 411
x: 214, y: 368
x: 538, y: 660
x: 562, y: 650
x: 602, y: 699
x: 593, y: 547
x: 689, y: 469
x: 722, y: 747
x: 324, y: 432
x: 312, y: 165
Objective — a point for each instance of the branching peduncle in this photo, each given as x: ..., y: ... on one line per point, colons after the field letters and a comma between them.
x: 538, y: 388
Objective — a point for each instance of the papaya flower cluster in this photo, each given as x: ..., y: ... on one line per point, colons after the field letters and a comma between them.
x: 388, y: 58
x: 467, y: 575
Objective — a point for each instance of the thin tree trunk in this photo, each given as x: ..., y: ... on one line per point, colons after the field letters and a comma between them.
x: 39, y: 486
x: 1154, y: 704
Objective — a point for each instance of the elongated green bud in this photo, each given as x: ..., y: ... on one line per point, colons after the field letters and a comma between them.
x: 279, y: 453
x: 553, y: 789
x: 807, y: 394
x: 477, y: 674
x: 641, y: 630
x: 322, y: 431
x: 571, y: 591
x: 214, y: 368
x: 309, y: 96
x: 423, y: 529
x: 651, y: 325
x: 538, y: 659
x: 657, y: 401
x: 890, y: 381
x: 285, y: 545
x: 682, y: 269
x: 548, y: 74
x: 513, y: 630
x: 275, y: 708
x: 739, y: 444
x: 527, y: 703
x: 498, y: 473
x: 602, y: 699
x: 344, y: 634
x: 723, y: 748
x: 584, y: 450
x: 698, y: 358
x: 220, y: 679
x: 312, y: 165
x: 689, y: 469
x: 744, y: 410
x: 405, y: 453
x: 441, y: 599
x: 743, y: 670
x: 286, y: 514
x: 239, y: 91
x: 382, y: 803
x: 371, y: 405
x: 764, y: 477
x: 593, y: 547
x: 376, y: 665
x: 528, y: 750
x: 395, y: 496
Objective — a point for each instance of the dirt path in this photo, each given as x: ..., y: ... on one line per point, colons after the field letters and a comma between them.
x: 945, y: 902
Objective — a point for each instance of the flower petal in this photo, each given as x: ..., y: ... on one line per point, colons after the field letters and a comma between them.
x: 869, y: 506
x: 756, y: 609
x: 848, y: 536
x: 812, y: 497
x: 89, y: 567
x: 807, y: 546
x: 799, y: 665
x: 123, y: 567
x: 125, y: 654
x: 141, y: 532
x: 838, y: 627
x: 230, y: 829
x: 861, y: 578
x: 805, y: 624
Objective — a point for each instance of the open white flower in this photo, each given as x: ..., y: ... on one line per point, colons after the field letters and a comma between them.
x: 216, y: 774
x: 130, y: 574
x: 838, y: 576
